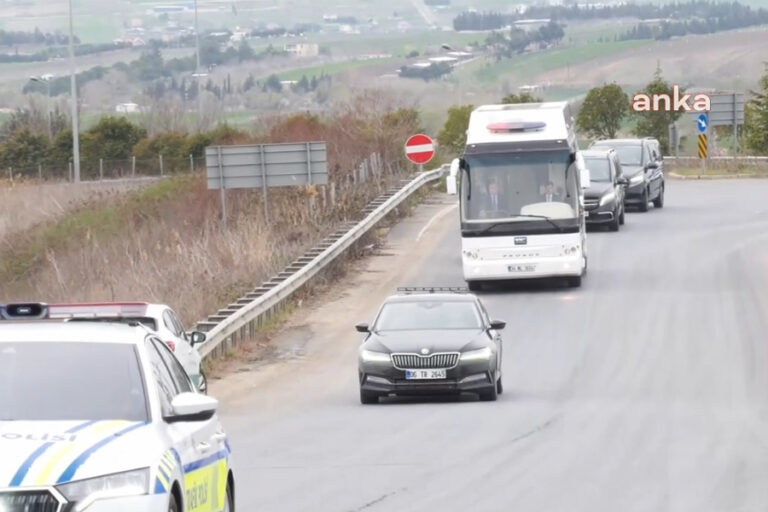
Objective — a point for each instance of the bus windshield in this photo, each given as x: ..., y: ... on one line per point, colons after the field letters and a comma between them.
x: 518, y: 186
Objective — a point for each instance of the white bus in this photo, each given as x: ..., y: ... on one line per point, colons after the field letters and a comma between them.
x: 521, y: 186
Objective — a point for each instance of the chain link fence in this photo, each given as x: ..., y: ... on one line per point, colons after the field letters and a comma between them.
x: 106, y: 169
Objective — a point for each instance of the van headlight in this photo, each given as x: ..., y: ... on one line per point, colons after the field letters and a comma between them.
x: 607, y: 198
x: 117, y: 485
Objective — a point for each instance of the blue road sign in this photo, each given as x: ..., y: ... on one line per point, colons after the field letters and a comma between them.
x: 702, y: 122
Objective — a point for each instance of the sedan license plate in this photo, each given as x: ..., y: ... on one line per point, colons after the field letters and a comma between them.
x: 424, y: 374
x: 521, y: 268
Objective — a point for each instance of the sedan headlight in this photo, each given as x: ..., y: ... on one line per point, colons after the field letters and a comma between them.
x: 607, y: 198
x: 483, y: 354
x: 636, y: 179
x: 369, y: 356
x: 117, y: 485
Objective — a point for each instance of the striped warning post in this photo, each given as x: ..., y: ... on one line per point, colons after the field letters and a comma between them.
x: 702, y: 145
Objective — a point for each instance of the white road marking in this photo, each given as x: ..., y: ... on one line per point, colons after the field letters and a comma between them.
x: 435, y: 217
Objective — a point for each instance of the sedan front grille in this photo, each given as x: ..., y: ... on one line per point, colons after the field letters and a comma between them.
x: 29, y: 501
x: 418, y: 362
x: 591, y: 204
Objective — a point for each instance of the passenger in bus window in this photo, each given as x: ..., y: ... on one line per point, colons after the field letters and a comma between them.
x: 552, y: 194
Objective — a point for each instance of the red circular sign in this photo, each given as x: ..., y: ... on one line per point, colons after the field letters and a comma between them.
x: 419, y: 149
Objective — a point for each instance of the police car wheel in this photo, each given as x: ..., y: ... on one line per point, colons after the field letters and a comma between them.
x: 173, y: 506
x: 229, y: 505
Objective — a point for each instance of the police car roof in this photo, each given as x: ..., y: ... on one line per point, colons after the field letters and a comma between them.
x: 86, y: 332
x: 432, y: 297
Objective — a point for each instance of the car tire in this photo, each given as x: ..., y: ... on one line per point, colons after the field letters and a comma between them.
x: 489, y: 395
x: 203, y: 386
x: 659, y: 201
x: 621, y: 217
x: 475, y: 286
x: 499, y: 387
x: 644, y: 201
x: 615, y: 223
x: 368, y: 398
x: 574, y: 282
x: 229, y: 504
x: 173, y: 506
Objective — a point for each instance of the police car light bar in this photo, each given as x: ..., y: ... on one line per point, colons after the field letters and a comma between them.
x: 98, y: 310
x: 22, y: 311
x: 516, y: 126
x: 432, y: 289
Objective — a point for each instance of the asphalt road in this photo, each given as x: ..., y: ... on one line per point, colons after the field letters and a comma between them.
x: 644, y: 390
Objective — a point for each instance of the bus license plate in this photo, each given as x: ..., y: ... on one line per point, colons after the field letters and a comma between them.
x: 521, y: 268
x: 424, y: 374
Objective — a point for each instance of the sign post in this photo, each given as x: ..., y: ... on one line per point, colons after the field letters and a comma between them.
x: 265, y: 166
x: 419, y: 149
x: 702, y: 123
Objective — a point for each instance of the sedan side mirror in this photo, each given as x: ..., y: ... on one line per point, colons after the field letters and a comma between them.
x: 362, y: 328
x: 498, y: 325
x: 197, y: 337
x: 192, y: 407
x: 652, y: 165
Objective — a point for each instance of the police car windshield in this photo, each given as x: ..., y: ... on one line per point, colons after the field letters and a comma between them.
x: 70, y: 381
x: 417, y: 315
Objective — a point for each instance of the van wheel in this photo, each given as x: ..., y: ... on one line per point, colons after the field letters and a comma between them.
x: 644, y: 201
x: 621, y: 217
x: 614, y: 225
x: 659, y: 201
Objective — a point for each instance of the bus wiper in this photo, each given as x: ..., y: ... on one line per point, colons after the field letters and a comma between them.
x: 492, y: 226
x: 559, y: 228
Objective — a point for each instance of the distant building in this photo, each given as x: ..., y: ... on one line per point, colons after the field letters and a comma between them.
x: 127, y: 108
x: 303, y: 49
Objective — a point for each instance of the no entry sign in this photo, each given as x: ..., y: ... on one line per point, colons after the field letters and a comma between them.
x: 419, y: 149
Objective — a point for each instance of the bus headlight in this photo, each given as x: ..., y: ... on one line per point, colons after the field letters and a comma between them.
x: 571, y: 250
x: 471, y: 254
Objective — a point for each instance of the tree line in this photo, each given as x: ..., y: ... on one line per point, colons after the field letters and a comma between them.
x: 11, y: 38
x: 150, y: 66
x: 717, y: 16
x: 517, y: 40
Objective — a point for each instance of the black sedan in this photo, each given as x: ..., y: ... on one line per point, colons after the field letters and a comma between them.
x: 426, y: 341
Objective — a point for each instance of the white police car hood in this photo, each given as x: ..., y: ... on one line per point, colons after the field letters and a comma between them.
x: 44, y: 453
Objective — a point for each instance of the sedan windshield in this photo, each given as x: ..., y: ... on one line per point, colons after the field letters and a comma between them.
x: 599, y: 169
x: 70, y: 381
x: 422, y: 315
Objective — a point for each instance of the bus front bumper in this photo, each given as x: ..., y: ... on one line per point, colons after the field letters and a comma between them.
x: 562, y: 266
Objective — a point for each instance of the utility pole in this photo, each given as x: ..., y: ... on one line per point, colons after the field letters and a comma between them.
x: 198, y: 74
x: 73, y: 86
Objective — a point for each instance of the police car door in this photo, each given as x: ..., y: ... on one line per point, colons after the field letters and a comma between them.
x: 200, y: 444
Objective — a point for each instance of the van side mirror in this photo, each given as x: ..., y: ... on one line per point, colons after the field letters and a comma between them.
x: 498, y: 325
x: 622, y: 181
x: 652, y: 165
x: 362, y: 328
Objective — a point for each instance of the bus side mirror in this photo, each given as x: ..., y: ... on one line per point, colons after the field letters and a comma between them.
x: 450, y: 182
x: 585, y: 181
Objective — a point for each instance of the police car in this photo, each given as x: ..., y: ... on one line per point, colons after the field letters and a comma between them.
x: 101, y: 417
x: 158, y: 317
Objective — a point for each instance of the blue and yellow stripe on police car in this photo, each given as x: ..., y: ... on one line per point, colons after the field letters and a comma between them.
x: 64, y: 452
x: 205, y: 483
x: 165, y: 471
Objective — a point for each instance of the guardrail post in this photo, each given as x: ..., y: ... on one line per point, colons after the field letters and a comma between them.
x: 40, y: 172
x: 70, y: 172
x: 133, y: 166
x: 10, y: 174
x: 101, y: 168
x: 333, y: 194
x: 162, y: 170
x: 191, y: 163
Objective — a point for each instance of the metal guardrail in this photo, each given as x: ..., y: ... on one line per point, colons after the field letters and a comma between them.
x: 249, y: 313
x: 739, y: 159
